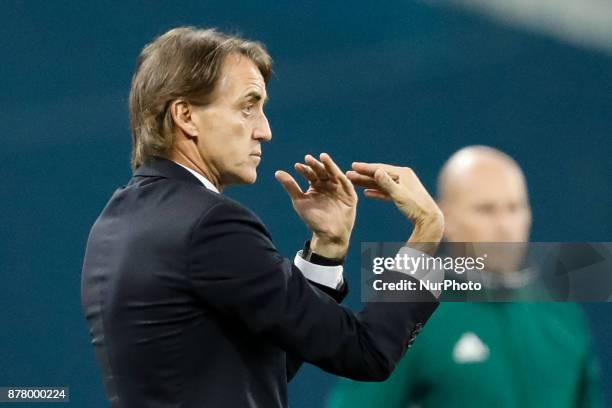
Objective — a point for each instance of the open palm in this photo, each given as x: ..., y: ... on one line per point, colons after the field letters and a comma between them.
x: 328, y: 207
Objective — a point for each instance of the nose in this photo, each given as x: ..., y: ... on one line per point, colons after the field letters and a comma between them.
x: 506, y: 227
x: 262, y: 130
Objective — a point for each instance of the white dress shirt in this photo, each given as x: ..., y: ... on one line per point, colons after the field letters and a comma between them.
x: 432, y: 275
x: 207, y: 183
x: 330, y: 276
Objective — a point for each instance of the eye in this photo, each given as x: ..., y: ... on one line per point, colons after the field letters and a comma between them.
x: 485, y: 209
x: 248, y: 109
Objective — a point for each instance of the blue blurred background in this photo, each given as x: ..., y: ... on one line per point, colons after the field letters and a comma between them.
x: 400, y: 82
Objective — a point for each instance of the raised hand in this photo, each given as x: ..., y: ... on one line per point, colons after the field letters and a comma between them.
x: 328, y: 206
x: 403, y: 187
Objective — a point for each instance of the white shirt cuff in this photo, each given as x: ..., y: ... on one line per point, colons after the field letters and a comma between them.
x: 422, y: 274
x: 330, y: 276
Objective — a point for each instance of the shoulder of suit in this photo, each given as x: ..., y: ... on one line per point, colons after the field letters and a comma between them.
x: 199, y: 202
x: 222, y: 208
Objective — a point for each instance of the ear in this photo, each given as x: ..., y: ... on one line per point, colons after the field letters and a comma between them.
x: 182, y: 114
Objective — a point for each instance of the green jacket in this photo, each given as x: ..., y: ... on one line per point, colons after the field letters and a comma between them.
x: 497, y: 355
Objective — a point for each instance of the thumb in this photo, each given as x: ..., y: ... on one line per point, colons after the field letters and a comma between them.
x: 289, y: 184
x: 385, y: 182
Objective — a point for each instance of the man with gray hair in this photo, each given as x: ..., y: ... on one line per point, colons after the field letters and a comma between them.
x: 188, y: 301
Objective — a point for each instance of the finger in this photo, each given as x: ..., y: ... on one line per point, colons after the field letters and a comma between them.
x: 385, y: 182
x: 306, y: 171
x: 377, y: 194
x: 289, y: 183
x: 317, y: 167
x: 333, y: 169
x: 368, y: 169
x: 361, y: 180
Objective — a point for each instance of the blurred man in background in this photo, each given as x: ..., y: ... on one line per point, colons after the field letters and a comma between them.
x: 489, y: 354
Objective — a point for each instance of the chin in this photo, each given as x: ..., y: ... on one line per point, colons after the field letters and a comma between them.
x: 253, y: 178
x: 240, y: 176
x: 248, y: 177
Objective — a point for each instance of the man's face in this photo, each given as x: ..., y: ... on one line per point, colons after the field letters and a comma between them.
x: 232, y: 127
x: 489, y: 203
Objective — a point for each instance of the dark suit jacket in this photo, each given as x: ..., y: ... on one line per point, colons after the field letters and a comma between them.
x: 189, y: 303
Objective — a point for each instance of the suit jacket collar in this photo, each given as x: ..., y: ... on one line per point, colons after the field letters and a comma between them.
x: 160, y: 167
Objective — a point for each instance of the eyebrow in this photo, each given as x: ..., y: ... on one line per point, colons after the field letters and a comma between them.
x: 255, y: 96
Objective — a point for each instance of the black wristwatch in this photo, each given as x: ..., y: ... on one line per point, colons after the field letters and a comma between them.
x: 310, y: 256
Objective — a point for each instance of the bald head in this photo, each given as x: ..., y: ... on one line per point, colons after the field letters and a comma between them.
x: 483, y: 195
